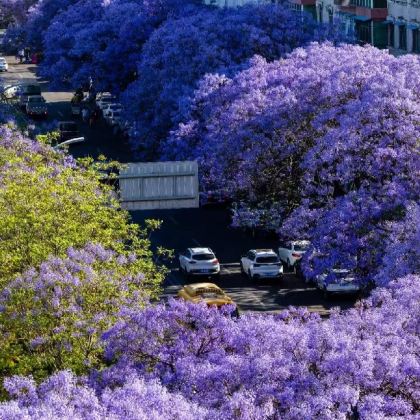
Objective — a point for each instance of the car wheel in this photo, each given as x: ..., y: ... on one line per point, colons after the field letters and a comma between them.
x: 250, y: 275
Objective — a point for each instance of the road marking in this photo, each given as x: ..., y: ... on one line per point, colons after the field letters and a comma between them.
x: 60, y: 113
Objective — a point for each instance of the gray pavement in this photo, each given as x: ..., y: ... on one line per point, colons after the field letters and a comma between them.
x: 190, y: 227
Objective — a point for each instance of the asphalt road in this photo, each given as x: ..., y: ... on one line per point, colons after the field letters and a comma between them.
x: 189, y: 227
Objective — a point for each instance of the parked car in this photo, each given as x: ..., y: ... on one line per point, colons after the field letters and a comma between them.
x: 76, y: 103
x: 199, y: 261
x: 3, y: 64
x: 104, y: 99
x: 338, y: 281
x: 109, y: 108
x: 27, y: 90
x: 68, y: 130
x: 291, y: 252
x: 114, y: 118
x: 36, y: 106
x: 205, y: 292
x: 261, y: 263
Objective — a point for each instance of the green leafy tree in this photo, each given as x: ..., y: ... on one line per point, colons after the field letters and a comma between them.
x: 49, y: 202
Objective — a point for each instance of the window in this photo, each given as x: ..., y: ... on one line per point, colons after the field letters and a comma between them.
x: 363, y: 32
x: 320, y: 17
x: 330, y: 16
x: 203, y: 257
x: 416, y: 40
x: 267, y: 260
x: 403, y: 38
x: 391, y: 30
x: 250, y: 255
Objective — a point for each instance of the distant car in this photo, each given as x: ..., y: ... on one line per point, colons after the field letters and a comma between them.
x: 114, y: 118
x: 36, y: 106
x: 261, y: 263
x: 338, y: 281
x: 109, y: 108
x: 199, y: 261
x: 27, y: 90
x: 104, y: 100
x: 205, y: 292
x: 68, y: 130
x: 291, y: 252
x: 3, y: 64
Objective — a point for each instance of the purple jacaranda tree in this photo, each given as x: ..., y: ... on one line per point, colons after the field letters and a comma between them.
x: 63, y: 396
x: 14, y: 11
x: 183, y: 49
x: 53, y: 317
x: 362, y: 363
x: 102, y: 40
x: 329, y: 150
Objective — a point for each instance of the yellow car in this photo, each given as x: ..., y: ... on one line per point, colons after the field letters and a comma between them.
x: 207, y: 292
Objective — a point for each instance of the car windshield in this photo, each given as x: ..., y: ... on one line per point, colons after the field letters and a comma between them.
x: 116, y: 114
x: 301, y: 247
x: 267, y: 260
x: 342, y: 275
x: 68, y: 127
x: 203, y: 257
x: 106, y: 99
x: 209, y: 293
x: 115, y: 106
x: 35, y: 99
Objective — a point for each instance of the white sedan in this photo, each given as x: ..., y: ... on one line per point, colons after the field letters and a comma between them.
x: 199, y: 261
x: 261, y: 263
x: 339, y: 281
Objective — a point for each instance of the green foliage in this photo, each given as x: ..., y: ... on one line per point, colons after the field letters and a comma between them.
x: 48, y: 203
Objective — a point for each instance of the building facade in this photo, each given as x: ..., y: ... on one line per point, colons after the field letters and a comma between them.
x: 365, y: 19
x: 393, y: 24
x: 403, y: 22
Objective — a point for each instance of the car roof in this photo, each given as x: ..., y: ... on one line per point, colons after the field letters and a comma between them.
x: 195, y: 287
x: 263, y: 251
x: 201, y: 250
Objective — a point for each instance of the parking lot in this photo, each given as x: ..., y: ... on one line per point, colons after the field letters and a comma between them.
x: 210, y: 228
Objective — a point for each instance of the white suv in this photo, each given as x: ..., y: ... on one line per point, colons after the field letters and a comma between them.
x: 291, y: 252
x: 340, y: 281
x: 261, y: 263
x: 199, y: 261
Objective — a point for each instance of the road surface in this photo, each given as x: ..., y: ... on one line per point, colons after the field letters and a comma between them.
x: 189, y: 227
